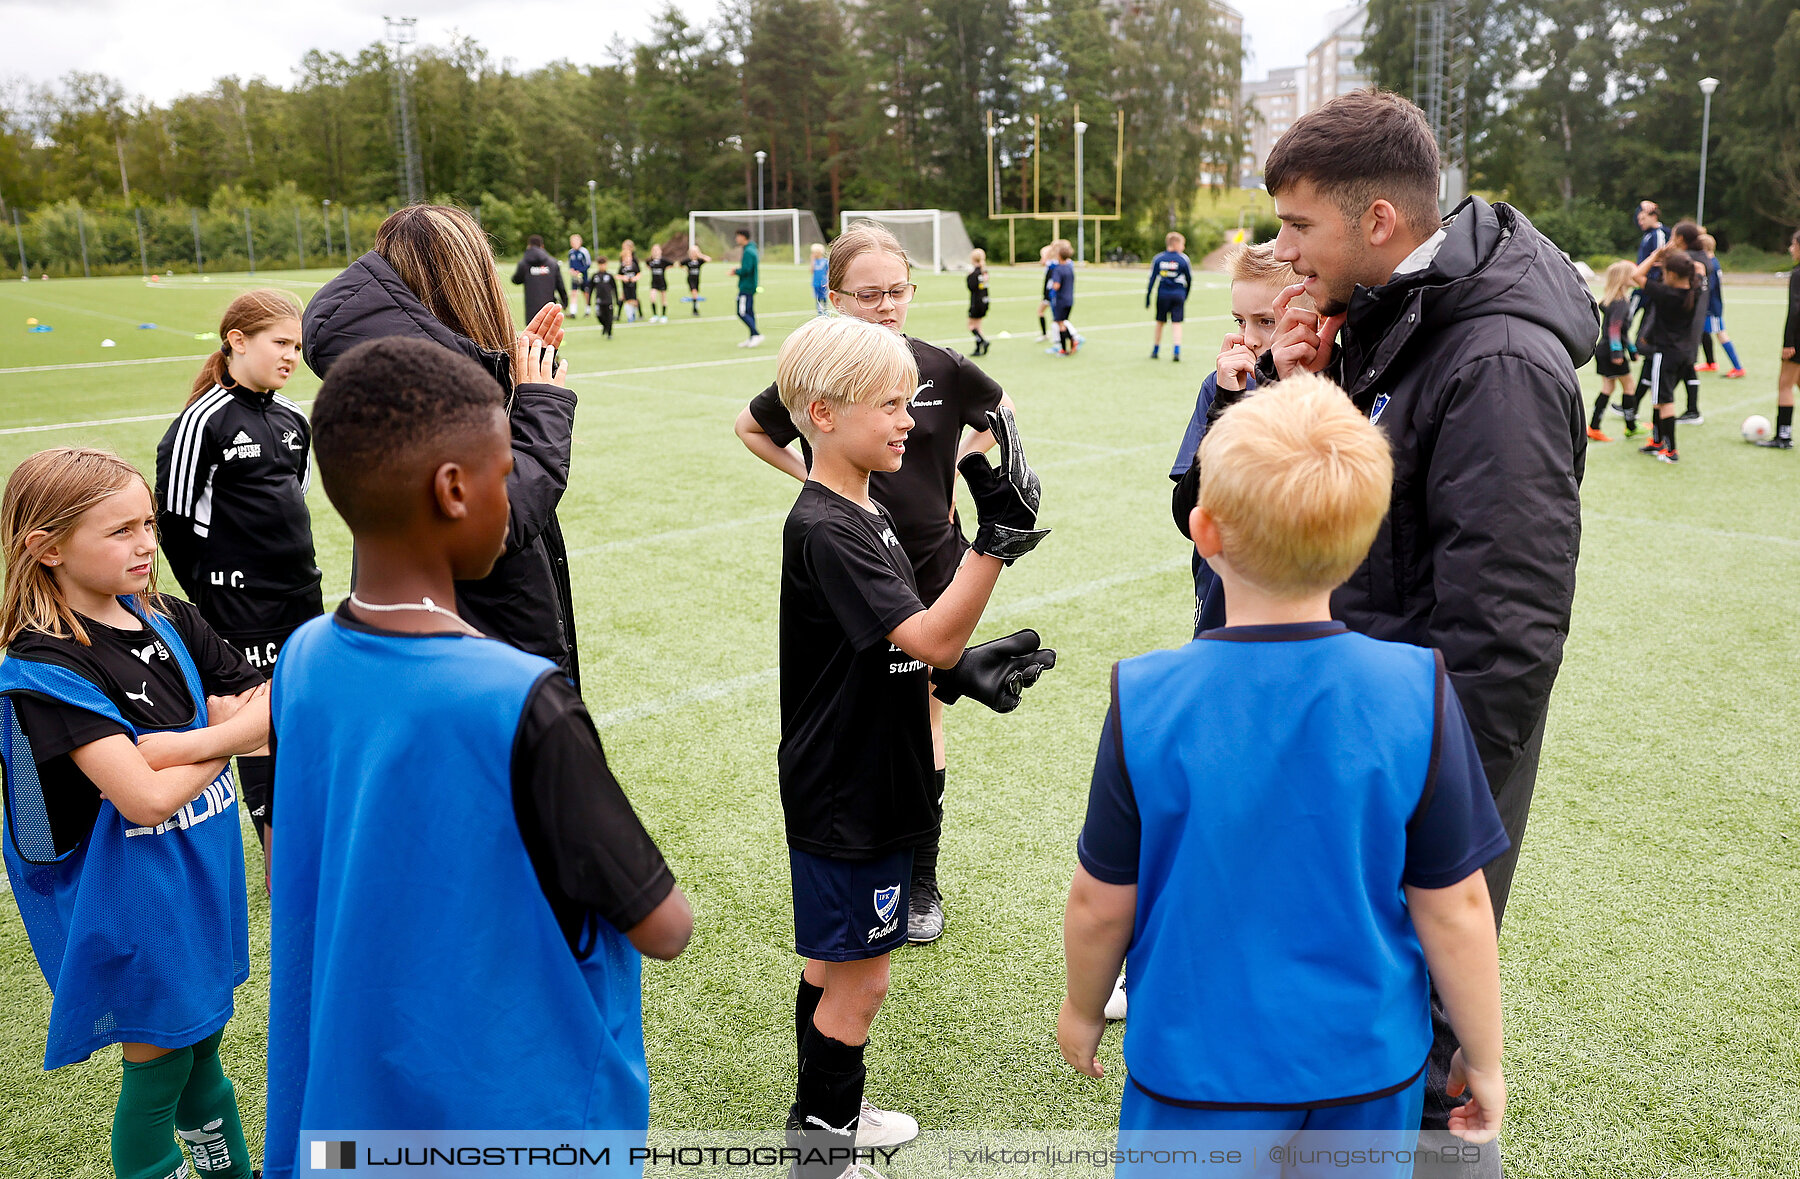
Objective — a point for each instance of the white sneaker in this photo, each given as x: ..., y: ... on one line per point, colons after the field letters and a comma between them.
x: 1115, y: 1003
x: 884, y: 1127
x: 754, y: 341
x: 745, y: 343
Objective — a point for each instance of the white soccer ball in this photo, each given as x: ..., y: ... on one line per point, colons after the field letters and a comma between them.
x: 1756, y: 428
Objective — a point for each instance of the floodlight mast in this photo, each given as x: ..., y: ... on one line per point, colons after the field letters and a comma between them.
x: 402, y: 32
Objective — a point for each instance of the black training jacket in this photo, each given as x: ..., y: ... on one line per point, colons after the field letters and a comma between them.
x: 541, y: 276
x: 526, y: 600
x: 1469, y: 368
x: 231, y: 476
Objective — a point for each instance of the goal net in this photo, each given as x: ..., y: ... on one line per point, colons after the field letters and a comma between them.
x: 931, y: 237
x: 776, y: 232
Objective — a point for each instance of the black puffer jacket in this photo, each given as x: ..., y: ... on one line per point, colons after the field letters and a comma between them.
x: 526, y: 600
x: 1469, y: 367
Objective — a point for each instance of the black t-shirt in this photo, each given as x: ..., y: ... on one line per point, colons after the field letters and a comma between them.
x: 856, y: 763
x: 628, y: 271
x: 978, y: 295
x: 1671, y: 316
x: 693, y: 268
x: 952, y: 394
x: 136, y: 671
x: 590, y: 850
x: 656, y: 267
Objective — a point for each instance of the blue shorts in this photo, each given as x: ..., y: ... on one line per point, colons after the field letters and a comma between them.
x: 819, y: 294
x: 1061, y: 311
x: 1715, y: 324
x: 1170, y: 310
x: 849, y: 910
x: 1274, y: 1144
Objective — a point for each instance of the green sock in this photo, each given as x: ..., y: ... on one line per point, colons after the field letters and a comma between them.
x: 143, y: 1139
x: 206, y: 1117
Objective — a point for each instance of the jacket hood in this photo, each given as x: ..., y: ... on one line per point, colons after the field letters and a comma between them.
x: 1493, y: 262
x: 370, y: 301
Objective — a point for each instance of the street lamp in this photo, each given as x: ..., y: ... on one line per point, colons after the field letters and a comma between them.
x: 1707, y: 86
x: 1080, y: 193
x: 760, y: 157
x: 326, y: 205
x: 593, y: 218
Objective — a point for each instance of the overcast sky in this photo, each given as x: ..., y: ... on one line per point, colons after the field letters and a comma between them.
x: 162, y: 48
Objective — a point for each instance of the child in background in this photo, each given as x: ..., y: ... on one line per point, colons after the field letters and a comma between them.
x: 1669, y: 309
x: 1612, y: 359
x: 232, y: 473
x: 695, y: 260
x: 579, y: 262
x: 1715, y: 312
x: 857, y: 646
x: 820, y: 269
x: 1062, y: 298
x: 628, y: 280
x: 1175, y: 275
x: 513, y: 998
x: 1788, y: 376
x: 658, y: 266
x: 606, y: 292
x: 1046, y: 259
x: 978, y: 298
x: 120, y: 710
x: 1286, y: 832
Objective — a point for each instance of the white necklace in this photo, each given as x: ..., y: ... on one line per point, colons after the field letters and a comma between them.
x: 426, y: 605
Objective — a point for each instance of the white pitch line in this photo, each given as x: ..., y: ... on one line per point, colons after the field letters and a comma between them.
x: 57, y: 368
x: 720, y: 689
x: 1702, y: 529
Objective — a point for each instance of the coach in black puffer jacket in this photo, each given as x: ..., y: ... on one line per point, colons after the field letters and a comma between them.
x: 1469, y: 367
x: 527, y: 599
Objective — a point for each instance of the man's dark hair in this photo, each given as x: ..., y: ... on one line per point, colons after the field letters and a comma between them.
x: 535, y: 241
x: 389, y: 411
x: 1358, y: 148
x: 744, y: 233
x: 1687, y: 233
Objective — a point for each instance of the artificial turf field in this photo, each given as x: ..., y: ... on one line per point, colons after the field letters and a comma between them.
x: 1650, y: 950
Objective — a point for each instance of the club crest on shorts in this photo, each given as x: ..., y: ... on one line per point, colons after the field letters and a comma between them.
x: 885, y: 901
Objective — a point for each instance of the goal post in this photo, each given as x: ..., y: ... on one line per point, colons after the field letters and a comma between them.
x: 934, y: 237
x: 712, y: 229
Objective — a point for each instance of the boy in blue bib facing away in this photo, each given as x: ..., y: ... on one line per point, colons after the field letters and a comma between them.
x: 1285, y: 833
x: 462, y: 890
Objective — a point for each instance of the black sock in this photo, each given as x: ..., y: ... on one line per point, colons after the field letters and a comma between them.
x: 1043, y: 328
x: 1784, y: 421
x: 806, y: 1001
x: 1068, y: 341
x: 1706, y: 343
x: 1668, y: 425
x: 827, y: 1104
x: 1600, y: 400
x: 1693, y: 405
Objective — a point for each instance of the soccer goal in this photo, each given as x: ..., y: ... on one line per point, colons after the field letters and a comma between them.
x: 771, y: 229
x: 932, y: 237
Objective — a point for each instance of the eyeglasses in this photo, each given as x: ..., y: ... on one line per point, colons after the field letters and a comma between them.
x: 872, y: 298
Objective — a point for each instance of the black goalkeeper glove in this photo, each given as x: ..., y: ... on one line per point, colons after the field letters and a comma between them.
x: 1006, y: 497
x: 995, y: 673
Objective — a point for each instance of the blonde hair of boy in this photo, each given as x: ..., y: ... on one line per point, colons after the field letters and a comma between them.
x: 50, y: 491
x: 1709, y: 243
x: 1174, y: 241
x: 1063, y: 249
x: 856, y: 241
x: 1618, y: 282
x: 1298, y: 482
x: 1258, y: 264
x: 978, y: 256
x: 841, y: 361
x: 818, y: 250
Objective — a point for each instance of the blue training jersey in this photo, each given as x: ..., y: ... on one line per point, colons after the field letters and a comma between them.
x: 1172, y: 270
x: 1063, y: 276
x: 1276, y: 774
x: 820, y: 268
x: 580, y: 260
x: 418, y: 977
x: 142, y: 933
